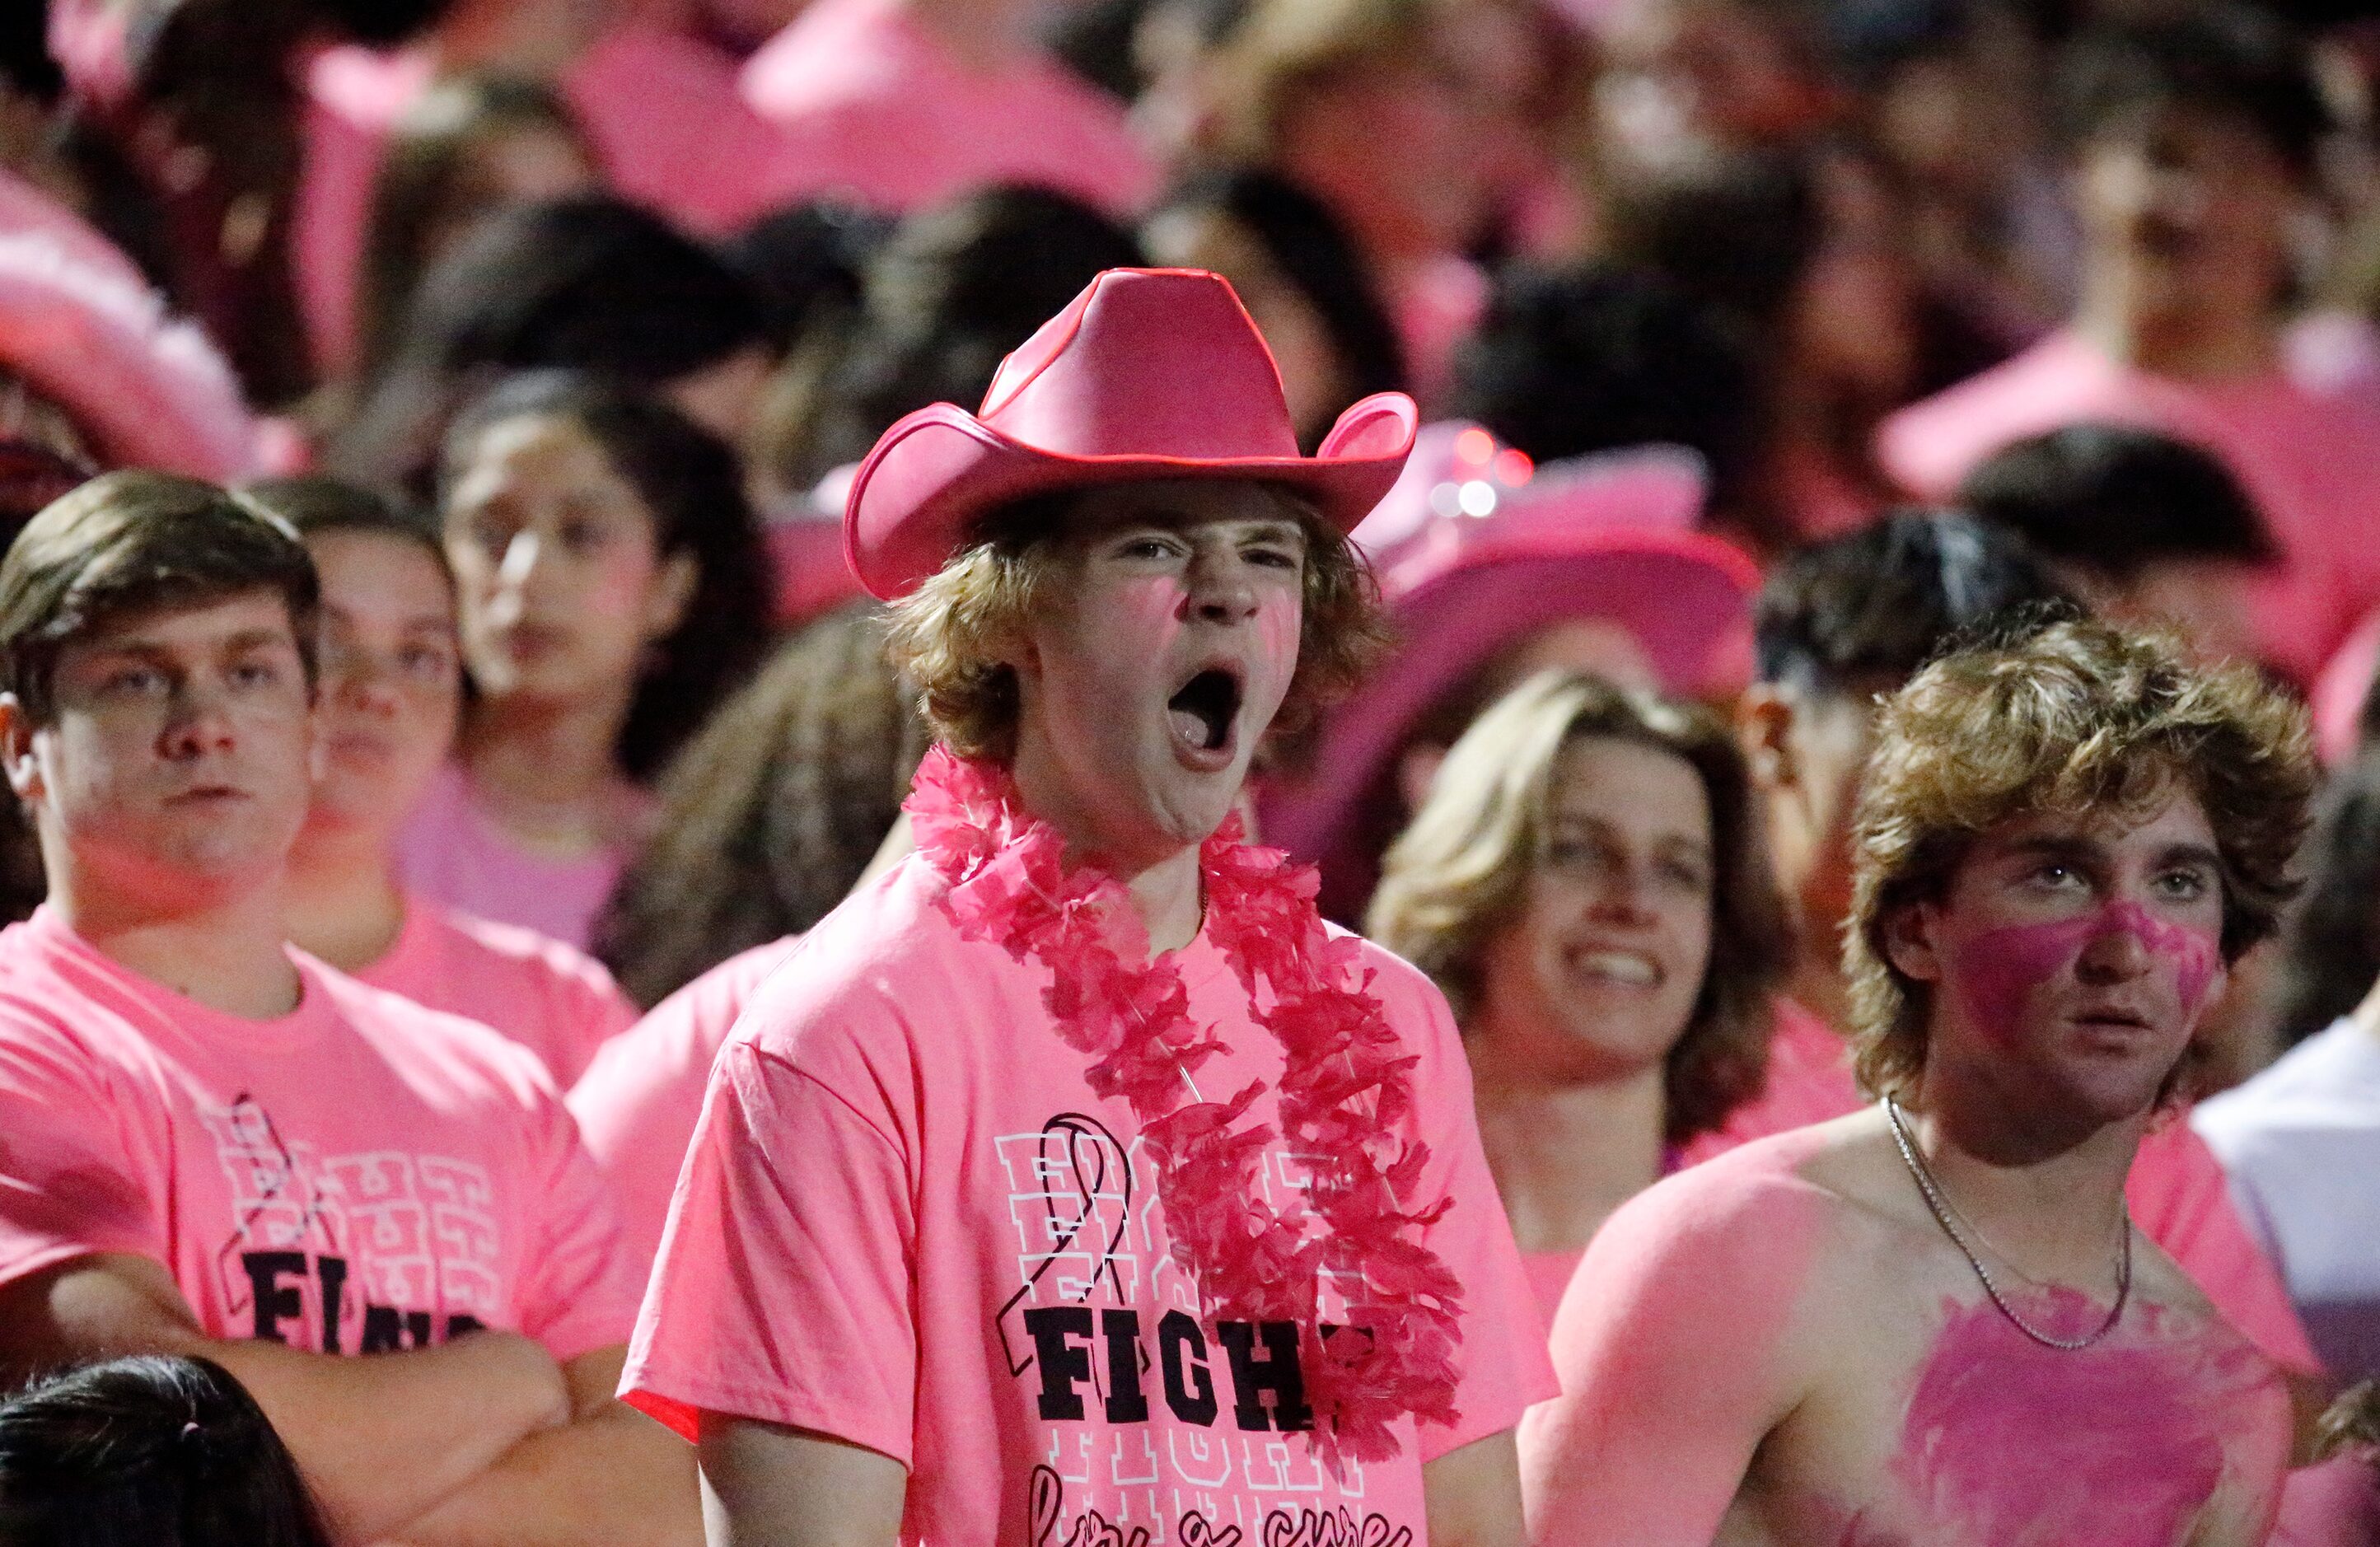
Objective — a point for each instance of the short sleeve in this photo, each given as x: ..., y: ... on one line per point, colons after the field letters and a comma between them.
x: 783, y: 1290
x: 579, y: 1287
x: 2182, y: 1198
x: 70, y: 1185
x: 1502, y: 1362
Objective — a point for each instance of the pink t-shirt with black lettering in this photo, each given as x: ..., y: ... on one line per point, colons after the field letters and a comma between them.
x: 558, y: 1002
x: 639, y: 1102
x: 2179, y: 1195
x: 908, y: 1222
x: 361, y: 1175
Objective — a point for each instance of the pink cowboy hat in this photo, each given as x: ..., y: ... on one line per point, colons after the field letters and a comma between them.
x: 1476, y: 550
x: 1151, y: 373
x: 145, y: 389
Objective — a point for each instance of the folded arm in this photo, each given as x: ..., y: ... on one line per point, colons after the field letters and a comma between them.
x: 610, y: 1475
x: 380, y: 1437
x: 764, y: 1485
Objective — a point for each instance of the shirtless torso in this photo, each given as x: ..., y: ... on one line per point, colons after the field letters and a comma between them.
x: 1782, y: 1348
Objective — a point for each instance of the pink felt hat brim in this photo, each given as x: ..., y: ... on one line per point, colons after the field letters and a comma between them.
x: 1684, y: 597
x: 938, y: 469
x: 148, y: 389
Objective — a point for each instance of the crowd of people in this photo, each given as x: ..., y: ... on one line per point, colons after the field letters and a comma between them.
x: 1114, y: 772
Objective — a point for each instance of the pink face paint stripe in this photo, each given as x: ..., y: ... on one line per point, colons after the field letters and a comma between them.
x: 1998, y: 969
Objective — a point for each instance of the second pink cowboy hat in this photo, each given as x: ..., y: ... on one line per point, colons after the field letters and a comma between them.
x: 1151, y: 373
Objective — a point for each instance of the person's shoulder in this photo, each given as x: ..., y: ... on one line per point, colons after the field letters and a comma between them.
x: 541, y: 960
x: 2334, y: 1074
x: 679, y: 1038
x: 1932, y: 444
x: 850, y: 976
x: 450, y: 1056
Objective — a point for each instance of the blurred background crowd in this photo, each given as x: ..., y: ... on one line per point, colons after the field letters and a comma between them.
x: 1764, y: 344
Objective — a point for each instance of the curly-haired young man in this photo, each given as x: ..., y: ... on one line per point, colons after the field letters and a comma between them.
x: 1073, y: 1182
x: 1934, y: 1320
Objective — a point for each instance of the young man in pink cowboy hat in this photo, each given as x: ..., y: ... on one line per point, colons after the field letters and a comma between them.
x: 1073, y: 1182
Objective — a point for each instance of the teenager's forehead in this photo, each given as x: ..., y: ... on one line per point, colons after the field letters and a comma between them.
x: 2172, y: 816
x: 257, y: 614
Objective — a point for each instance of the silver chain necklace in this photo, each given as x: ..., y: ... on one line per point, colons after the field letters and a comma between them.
x: 1938, y: 1204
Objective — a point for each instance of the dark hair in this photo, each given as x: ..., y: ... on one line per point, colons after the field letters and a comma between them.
x: 1734, y: 233
x: 1571, y: 361
x: 313, y: 504
x: 694, y: 487
x: 2223, y: 59
x: 148, y: 1452
x: 2117, y: 499
x: 773, y: 813
x: 808, y: 263
x: 1459, y: 874
x: 590, y: 284
x: 131, y: 543
x: 422, y: 183
x: 950, y: 296
x: 25, y: 62
x: 1312, y: 250
x: 1862, y: 613
x: 2330, y: 948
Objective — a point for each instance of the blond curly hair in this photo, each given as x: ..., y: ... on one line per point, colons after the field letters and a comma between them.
x: 2074, y: 717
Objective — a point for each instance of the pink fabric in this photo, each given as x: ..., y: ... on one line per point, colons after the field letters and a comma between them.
x: 1549, y: 1276
x: 147, y: 388
x: 452, y: 852
x: 362, y: 1174
x: 639, y: 1101
x: 874, y: 110
x: 26, y: 207
x: 2334, y: 1505
x: 2311, y: 461
x: 559, y: 1003
x: 660, y: 110
x: 2340, y: 692
x: 1435, y: 305
x: 907, y: 1222
x: 2179, y: 1194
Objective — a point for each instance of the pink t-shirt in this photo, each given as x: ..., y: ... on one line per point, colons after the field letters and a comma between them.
x: 559, y: 1003
x: 660, y: 109
x: 2311, y: 461
x: 358, y: 1175
x: 452, y: 852
x: 873, y: 109
x: 907, y: 1222
x: 639, y: 1099
x: 2334, y: 1505
x: 2179, y: 1195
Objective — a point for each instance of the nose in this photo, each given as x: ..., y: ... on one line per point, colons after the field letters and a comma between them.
x: 1222, y: 589
x: 2116, y: 953
x: 198, y: 723
x: 366, y: 681
x: 1619, y: 896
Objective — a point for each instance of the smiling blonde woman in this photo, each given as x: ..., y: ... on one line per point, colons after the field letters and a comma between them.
x: 1587, y: 885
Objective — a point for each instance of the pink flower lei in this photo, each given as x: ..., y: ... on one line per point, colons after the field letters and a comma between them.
x: 1009, y: 885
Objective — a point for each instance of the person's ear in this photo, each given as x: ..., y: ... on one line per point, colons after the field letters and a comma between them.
x: 1765, y: 718
x: 1910, y: 932
x: 17, y: 748
x: 1417, y: 767
x: 669, y: 595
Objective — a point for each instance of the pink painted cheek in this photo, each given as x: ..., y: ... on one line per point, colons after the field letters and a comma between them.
x: 1999, y: 970
x: 1280, y: 619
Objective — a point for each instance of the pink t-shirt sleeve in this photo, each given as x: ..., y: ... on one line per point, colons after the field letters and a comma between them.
x: 2181, y: 1197
x: 801, y: 1186
x: 70, y: 1186
x: 578, y: 1292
